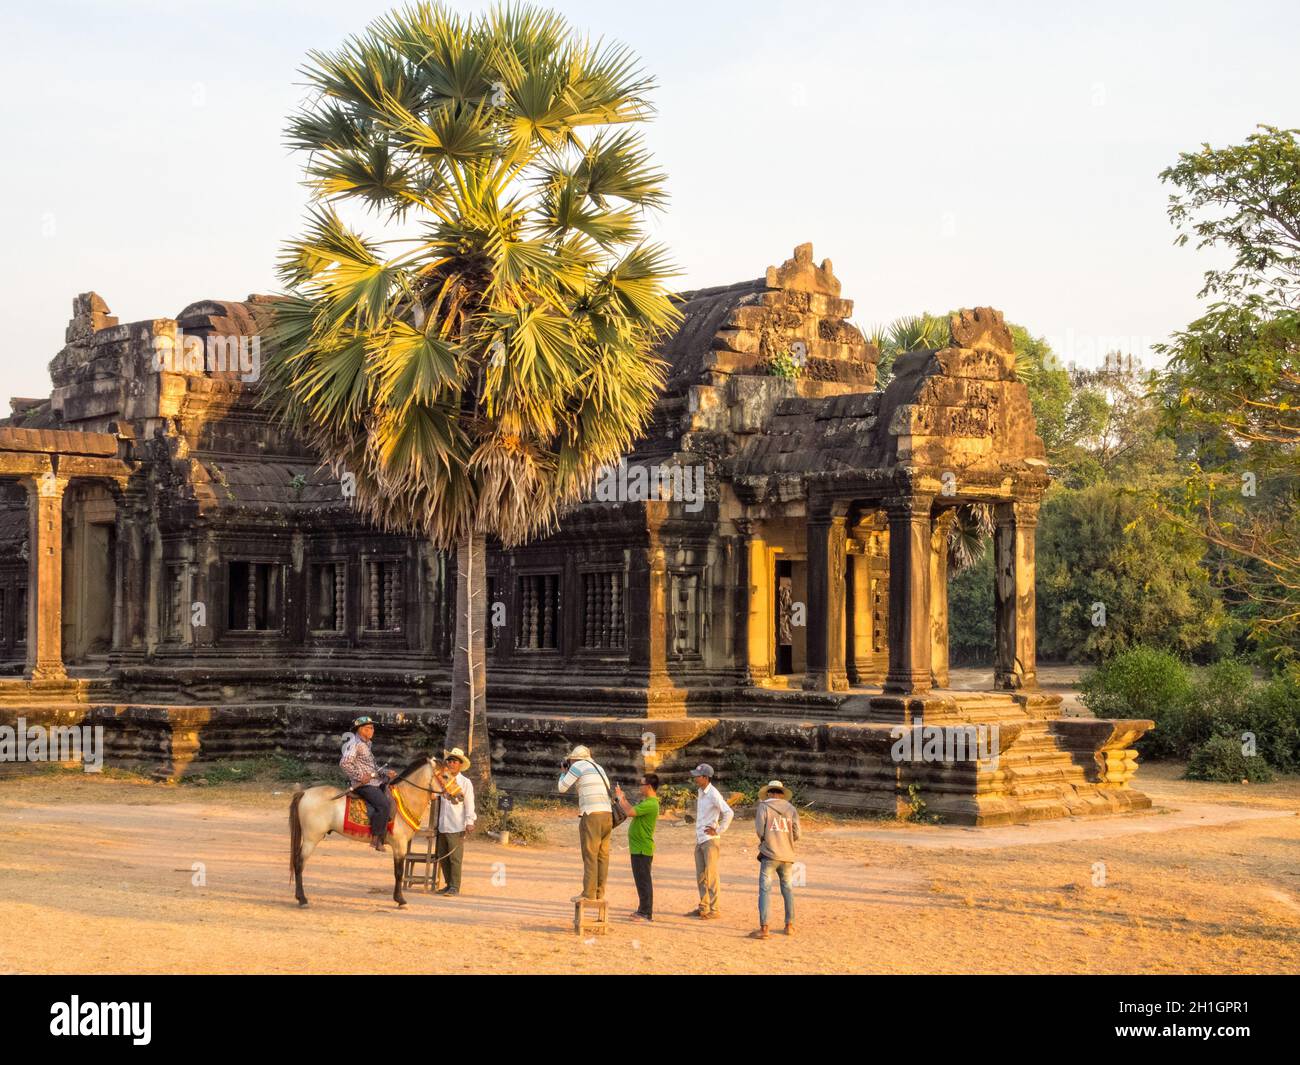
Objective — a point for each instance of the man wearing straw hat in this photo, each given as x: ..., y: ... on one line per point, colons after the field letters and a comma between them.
x: 455, y: 822
x: 776, y: 822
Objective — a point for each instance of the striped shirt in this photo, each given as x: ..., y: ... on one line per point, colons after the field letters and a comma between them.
x: 593, y: 786
x: 358, y: 761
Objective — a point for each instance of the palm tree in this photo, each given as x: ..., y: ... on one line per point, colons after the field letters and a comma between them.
x: 913, y: 332
x: 475, y: 370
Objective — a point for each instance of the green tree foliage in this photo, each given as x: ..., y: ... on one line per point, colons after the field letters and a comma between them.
x: 913, y: 332
x: 1232, y: 386
x: 1218, y: 715
x: 1100, y: 549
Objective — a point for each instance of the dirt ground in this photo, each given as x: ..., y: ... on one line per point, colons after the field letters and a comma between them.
x: 98, y: 875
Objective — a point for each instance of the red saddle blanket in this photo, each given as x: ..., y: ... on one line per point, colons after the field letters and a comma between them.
x: 356, y: 819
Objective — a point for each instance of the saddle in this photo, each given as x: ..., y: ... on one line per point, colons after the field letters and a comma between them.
x: 356, y: 818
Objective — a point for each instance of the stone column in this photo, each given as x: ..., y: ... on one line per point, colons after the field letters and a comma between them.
x: 755, y: 642
x: 45, y: 576
x: 827, y: 553
x: 857, y: 612
x: 647, y: 603
x: 131, y: 571
x: 909, y: 594
x: 1014, y: 600
x: 939, y: 598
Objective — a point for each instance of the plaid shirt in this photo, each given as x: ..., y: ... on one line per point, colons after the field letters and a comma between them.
x: 358, y: 762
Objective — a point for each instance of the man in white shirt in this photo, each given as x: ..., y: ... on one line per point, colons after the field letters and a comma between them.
x: 455, y: 822
x: 712, y: 818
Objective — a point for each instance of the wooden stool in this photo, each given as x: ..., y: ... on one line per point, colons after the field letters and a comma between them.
x: 414, y: 857
x: 580, y: 923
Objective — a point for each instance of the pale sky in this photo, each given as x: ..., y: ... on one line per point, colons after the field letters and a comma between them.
x: 940, y: 154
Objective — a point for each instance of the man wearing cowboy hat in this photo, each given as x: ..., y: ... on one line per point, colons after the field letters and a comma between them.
x: 595, y: 819
x: 366, y: 778
x: 776, y: 822
x: 455, y: 822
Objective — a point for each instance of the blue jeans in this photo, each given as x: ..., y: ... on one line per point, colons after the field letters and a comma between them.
x: 766, y: 866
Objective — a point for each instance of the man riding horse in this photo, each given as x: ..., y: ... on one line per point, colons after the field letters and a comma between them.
x: 358, y: 762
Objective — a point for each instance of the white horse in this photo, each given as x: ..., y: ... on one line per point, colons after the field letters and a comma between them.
x: 318, y: 811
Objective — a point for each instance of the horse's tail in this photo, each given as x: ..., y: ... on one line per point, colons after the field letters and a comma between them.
x: 295, y: 836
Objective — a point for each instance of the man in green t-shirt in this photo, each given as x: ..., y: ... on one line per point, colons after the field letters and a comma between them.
x: 641, y: 842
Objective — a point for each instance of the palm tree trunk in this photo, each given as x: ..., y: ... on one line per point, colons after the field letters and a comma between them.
x: 467, y: 725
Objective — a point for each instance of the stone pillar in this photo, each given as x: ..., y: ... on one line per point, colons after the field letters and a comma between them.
x: 647, y: 603
x: 1014, y: 600
x: 939, y: 598
x: 827, y: 553
x: 204, y: 588
x: 909, y: 594
x: 857, y: 612
x: 45, y: 576
x: 755, y: 642
x: 131, y: 571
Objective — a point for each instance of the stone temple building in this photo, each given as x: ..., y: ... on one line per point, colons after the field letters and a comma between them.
x: 761, y: 585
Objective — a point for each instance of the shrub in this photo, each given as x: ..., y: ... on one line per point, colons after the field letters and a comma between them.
x: 676, y: 796
x: 1273, y: 716
x: 1144, y: 683
x: 1220, y: 759
x: 491, y: 818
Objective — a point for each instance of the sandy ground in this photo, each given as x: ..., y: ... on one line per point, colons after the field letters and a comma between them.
x: 97, y: 876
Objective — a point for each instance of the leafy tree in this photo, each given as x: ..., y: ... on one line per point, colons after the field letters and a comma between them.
x: 1111, y: 575
x: 474, y: 370
x: 1232, y: 386
x: 1049, y: 388
x: 1112, y: 428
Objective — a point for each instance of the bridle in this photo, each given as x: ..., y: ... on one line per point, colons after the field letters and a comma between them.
x: 440, y: 790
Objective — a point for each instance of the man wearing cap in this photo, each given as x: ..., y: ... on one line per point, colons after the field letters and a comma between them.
x: 712, y: 818
x: 776, y: 822
x: 358, y: 762
x: 455, y: 822
x: 595, y: 820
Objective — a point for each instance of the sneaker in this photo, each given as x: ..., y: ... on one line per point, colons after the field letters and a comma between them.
x: 760, y: 934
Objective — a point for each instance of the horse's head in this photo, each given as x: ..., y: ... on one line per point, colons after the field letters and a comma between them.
x: 443, y: 781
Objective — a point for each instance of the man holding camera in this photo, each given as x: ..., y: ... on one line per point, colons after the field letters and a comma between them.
x: 595, y: 819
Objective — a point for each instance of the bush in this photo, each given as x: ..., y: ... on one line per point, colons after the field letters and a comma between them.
x: 676, y: 796
x: 1220, y: 759
x: 491, y: 818
x: 1144, y: 683
x: 1221, y: 701
x: 1273, y: 715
